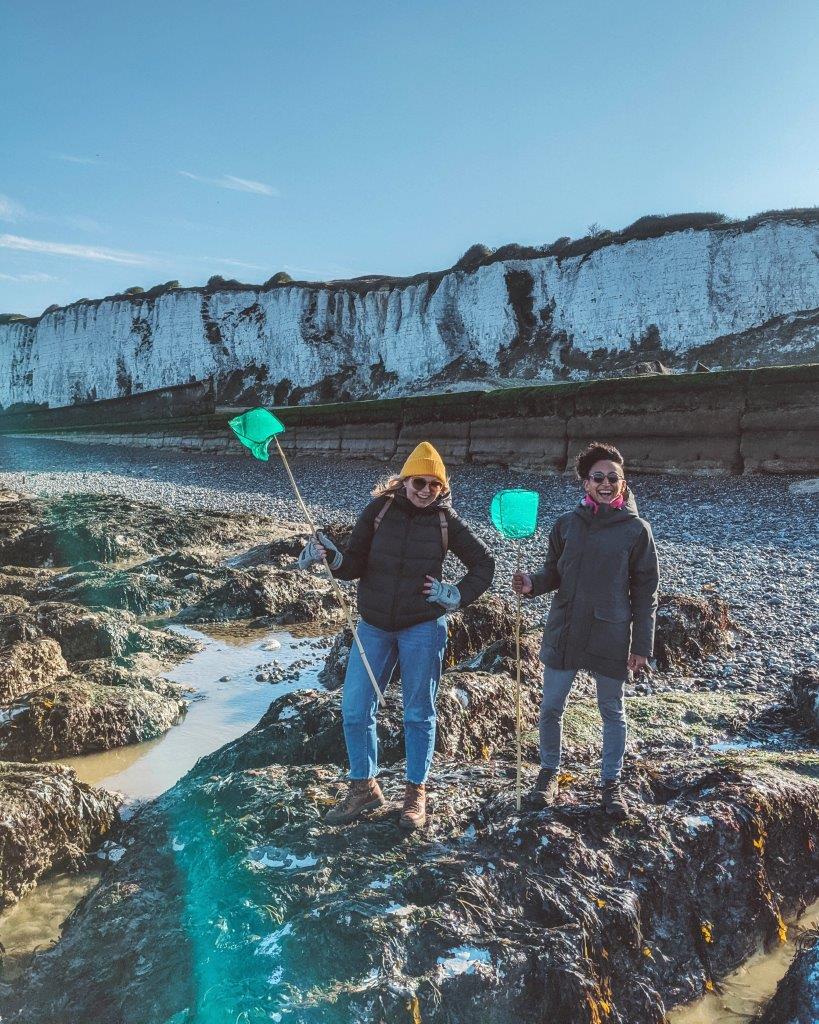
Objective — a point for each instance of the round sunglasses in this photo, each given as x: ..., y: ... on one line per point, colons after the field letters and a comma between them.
x: 599, y: 477
x: 419, y: 483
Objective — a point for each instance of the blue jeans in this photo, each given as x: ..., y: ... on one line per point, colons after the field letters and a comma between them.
x: 420, y: 652
x: 556, y: 686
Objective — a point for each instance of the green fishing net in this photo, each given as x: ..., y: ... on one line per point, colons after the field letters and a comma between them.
x: 256, y: 428
x: 514, y: 513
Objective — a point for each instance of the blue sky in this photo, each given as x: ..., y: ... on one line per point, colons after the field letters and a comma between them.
x: 143, y: 142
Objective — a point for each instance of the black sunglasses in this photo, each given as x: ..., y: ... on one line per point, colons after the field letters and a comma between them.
x: 419, y: 483
x: 599, y: 477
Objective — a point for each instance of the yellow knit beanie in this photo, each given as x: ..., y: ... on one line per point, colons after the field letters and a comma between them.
x: 424, y: 460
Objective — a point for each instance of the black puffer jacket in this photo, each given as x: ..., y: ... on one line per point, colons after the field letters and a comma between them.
x: 393, y: 560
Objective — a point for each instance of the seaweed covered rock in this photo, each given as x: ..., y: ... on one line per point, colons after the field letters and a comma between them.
x: 77, y: 528
x: 476, y: 717
x: 27, y: 664
x: 74, y: 680
x: 805, y: 697
x: 796, y: 1000
x: 275, y: 595
x: 688, y: 628
x: 24, y: 582
x: 156, y: 587
x: 79, y: 716
x: 47, y: 819
x: 335, y: 664
x: 487, y: 915
x: 84, y: 634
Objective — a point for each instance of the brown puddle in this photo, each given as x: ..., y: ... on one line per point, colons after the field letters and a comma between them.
x: 229, y: 708
x: 746, y: 991
x: 224, y: 708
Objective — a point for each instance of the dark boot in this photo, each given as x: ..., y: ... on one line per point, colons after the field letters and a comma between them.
x: 614, y: 803
x: 362, y: 795
x: 545, y: 789
x: 414, y: 814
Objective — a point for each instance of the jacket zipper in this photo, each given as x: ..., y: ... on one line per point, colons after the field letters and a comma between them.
x: 407, y: 523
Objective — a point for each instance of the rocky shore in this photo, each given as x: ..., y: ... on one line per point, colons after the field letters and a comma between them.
x: 231, y: 899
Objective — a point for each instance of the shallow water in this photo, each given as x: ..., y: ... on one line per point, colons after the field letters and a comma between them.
x: 747, y: 989
x: 35, y: 921
x: 229, y: 708
x: 223, y: 710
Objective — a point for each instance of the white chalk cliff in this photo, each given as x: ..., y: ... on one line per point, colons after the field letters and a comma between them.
x: 729, y: 296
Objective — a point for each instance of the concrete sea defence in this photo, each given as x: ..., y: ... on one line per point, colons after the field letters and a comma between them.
x: 745, y: 421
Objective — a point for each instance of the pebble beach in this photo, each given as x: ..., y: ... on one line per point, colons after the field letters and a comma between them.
x: 747, y: 539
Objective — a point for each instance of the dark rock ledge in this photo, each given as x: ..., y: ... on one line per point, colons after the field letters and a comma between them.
x: 234, y: 900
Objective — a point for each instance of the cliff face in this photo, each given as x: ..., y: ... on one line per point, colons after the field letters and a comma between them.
x: 729, y: 296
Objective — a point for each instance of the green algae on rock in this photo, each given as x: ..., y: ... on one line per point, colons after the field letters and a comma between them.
x: 47, y: 819
x: 234, y: 900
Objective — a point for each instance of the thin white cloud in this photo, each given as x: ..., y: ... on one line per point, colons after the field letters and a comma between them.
x: 34, y: 278
x: 13, y: 212
x: 10, y: 210
x: 69, y: 159
x: 257, y: 188
x: 82, y: 252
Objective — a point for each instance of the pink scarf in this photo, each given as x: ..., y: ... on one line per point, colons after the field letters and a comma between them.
x: 589, y: 502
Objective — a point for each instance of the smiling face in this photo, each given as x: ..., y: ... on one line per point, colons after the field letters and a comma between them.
x: 605, y: 489
x: 422, y: 490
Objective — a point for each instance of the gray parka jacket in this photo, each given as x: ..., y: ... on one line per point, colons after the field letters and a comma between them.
x: 604, y: 568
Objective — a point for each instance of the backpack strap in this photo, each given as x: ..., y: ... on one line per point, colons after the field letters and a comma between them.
x: 442, y: 519
x: 384, y: 510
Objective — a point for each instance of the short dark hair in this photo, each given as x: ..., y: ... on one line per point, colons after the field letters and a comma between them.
x: 596, y: 451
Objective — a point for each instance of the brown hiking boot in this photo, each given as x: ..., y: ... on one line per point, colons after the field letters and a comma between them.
x: 414, y: 814
x: 362, y: 795
x: 545, y: 789
x: 614, y: 803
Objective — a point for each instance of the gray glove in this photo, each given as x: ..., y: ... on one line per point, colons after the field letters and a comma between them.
x: 445, y: 594
x: 310, y: 553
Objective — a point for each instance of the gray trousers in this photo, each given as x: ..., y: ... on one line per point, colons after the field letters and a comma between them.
x: 556, y: 686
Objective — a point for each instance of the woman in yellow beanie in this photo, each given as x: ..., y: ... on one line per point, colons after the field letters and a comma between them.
x: 396, y: 551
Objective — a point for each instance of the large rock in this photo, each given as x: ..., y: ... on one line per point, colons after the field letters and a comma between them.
x: 77, y: 716
x: 276, y: 595
x: 47, y: 819
x: 233, y: 896
x: 74, y: 680
x: 796, y: 1000
x: 688, y: 628
x: 84, y: 634
x: 27, y: 664
x: 107, y: 528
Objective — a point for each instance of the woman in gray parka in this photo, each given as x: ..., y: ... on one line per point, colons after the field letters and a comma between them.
x: 603, y: 564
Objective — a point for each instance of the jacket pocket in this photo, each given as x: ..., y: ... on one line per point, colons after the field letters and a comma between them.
x: 555, y: 623
x: 610, y: 635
